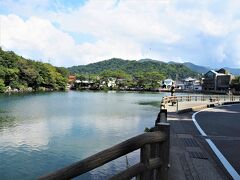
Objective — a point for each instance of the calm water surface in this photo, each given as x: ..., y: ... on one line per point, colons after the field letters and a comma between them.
x: 42, y: 132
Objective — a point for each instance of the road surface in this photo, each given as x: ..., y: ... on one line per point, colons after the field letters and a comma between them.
x: 222, y: 126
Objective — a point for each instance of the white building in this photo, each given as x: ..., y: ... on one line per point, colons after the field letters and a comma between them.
x: 192, y: 84
x: 111, y: 82
x: 167, y: 83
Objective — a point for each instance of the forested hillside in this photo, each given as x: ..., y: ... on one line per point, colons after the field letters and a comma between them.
x: 174, y: 71
x: 19, y: 73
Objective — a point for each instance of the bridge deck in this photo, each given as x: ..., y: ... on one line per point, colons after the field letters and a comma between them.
x: 185, y: 105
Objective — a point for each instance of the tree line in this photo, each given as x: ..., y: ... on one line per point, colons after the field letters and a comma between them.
x: 138, y: 80
x: 19, y: 73
x: 169, y: 70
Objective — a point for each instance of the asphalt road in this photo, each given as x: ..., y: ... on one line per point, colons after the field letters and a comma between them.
x: 222, y: 125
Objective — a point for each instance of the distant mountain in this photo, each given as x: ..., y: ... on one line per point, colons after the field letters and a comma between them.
x: 171, y: 69
x: 144, y: 65
x: 150, y: 60
x: 204, y: 69
x: 233, y: 71
x: 193, y: 67
x: 197, y: 68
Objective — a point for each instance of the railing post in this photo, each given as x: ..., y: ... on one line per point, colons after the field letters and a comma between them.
x: 177, y: 105
x: 144, y: 158
x: 163, y: 151
x: 162, y: 116
x: 163, y: 103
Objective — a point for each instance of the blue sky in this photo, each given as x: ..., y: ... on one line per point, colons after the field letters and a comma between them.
x: 75, y: 32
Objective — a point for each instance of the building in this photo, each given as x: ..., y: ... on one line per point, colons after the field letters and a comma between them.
x: 179, y: 84
x: 216, y: 81
x: 111, y: 82
x: 197, y: 86
x: 71, y: 79
x: 83, y: 84
x: 192, y: 84
x: 189, y: 83
x: 167, y: 83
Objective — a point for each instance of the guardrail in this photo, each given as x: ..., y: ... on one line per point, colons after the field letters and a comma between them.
x: 154, y: 156
x: 210, y: 98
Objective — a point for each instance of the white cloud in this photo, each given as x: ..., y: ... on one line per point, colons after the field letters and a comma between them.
x: 128, y: 20
x: 108, y: 48
x: 180, y: 30
x: 37, y: 38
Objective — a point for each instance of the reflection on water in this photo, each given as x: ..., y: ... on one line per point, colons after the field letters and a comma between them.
x: 151, y: 103
x: 42, y: 132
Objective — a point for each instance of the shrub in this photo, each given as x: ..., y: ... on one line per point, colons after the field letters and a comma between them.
x: 2, y: 86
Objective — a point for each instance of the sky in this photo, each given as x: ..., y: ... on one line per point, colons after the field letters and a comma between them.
x: 78, y: 32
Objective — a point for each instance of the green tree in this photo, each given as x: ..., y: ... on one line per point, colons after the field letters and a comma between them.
x: 22, y: 73
x: 148, y: 80
x: 2, y: 86
x: 153, y: 79
x: 236, y: 80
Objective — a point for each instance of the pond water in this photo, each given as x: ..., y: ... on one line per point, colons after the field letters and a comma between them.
x: 42, y: 132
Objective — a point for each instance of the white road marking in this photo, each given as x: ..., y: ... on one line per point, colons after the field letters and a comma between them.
x: 223, y: 160
x: 197, y: 125
x: 220, y: 156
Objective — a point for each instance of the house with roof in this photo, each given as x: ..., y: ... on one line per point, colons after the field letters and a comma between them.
x: 83, y: 84
x: 189, y: 83
x: 216, y: 81
x: 167, y: 83
x: 111, y: 82
x: 179, y: 84
x: 71, y: 79
x: 192, y: 84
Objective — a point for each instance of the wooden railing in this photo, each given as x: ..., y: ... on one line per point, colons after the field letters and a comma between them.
x: 154, y: 156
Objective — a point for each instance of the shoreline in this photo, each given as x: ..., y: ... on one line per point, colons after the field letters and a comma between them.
x: 129, y: 91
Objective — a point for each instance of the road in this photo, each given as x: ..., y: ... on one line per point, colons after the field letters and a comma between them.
x: 222, y: 127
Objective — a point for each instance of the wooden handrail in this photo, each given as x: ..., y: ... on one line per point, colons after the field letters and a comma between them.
x: 140, y: 167
x: 110, y: 154
x: 130, y: 172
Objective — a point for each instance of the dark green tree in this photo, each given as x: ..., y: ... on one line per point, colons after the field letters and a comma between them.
x: 2, y: 86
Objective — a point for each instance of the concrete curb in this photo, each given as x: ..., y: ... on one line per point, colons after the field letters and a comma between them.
x: 197, y: 108
x: 226, y: 103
